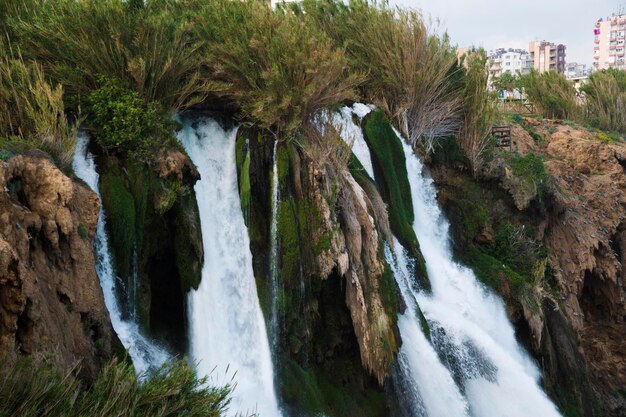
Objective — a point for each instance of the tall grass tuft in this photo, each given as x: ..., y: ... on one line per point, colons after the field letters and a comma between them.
x: 479, y: 109
x: 32, y: 110
x: 36, y: 386
x: 273, y: 65
x: 409, y: 71
x: 146, y: 47
x: 552, y: 93
x: 606, y: 100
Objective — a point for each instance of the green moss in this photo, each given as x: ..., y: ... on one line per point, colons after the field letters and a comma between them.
x: 244, y: 187
x: 391, y: 175
x: 423, y: 321
x: 119, y: 206
x: 491, y: 271
x: 289, y: 242
x: 392, y: 179
x: 317, y: 392
x: 188, y: 244
x: 82, y: 231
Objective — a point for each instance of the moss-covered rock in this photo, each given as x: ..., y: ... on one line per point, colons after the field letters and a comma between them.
x: 392, y: 179
x: 318, y: 342
x: 120, y: 209
x: 154, y: 229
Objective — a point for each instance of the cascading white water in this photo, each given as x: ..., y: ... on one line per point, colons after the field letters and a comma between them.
x: 352, y: 133
x: 226, y: 325
x: 425, y: 384
x: 469, y: 323
x: 144, y: 353
x: 427, y: 388
x: 274, y: 253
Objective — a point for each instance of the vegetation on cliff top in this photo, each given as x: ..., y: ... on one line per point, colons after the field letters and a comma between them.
x: 275, y: 67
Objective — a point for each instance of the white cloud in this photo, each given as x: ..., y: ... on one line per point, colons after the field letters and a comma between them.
x: 514, y: 23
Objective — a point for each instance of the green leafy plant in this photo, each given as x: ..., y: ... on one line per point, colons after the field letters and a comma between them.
x: 124, y: 123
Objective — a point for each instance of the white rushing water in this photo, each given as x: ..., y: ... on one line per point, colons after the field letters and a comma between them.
x: 352, y: 133
x: 274, y: 254
x: 144, y: 353
x: 469, y: 323
x: 426, y: 385
x: 226, y: 325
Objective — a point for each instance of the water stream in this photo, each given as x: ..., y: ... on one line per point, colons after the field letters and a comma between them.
x: 144, y: 353
x: 226, y: 325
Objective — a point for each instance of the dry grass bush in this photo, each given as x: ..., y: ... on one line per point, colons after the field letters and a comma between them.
x: 606, y: 100
x: 32, y: 110
x: 37, y: 386
x: 409, y: 71
x: 275, y: 67
x: 145, y: 47
x: 479, y: 109
x: 552, y: 93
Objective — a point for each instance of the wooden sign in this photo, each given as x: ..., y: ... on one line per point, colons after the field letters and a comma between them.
x: 502, y: 135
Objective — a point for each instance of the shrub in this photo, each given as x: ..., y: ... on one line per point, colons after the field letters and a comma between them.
x: 124, y: 123
x: 606, y: 100
x: 531, y: 170
x: 552, y: 93
x: 37, y: 387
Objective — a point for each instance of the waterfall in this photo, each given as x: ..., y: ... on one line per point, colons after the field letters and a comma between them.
x: 470, y: 328
x: 425, y: 384
x: 144, y: 354
x: 352, y: 133
x: 226, y: 325
x: 274, y: 333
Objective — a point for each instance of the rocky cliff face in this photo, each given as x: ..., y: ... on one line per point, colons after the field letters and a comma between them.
x: 50, y: 296
x: 573, y: 312
x: 337, y: 298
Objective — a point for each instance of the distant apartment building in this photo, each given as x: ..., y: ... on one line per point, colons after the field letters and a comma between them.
x: 576, y: 70
x: 608, y: 49
x: 547, y: 56
x: 513, y: 61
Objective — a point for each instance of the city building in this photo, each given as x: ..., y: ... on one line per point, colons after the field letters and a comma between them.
x: 547, y: 56
x: 577, y: 74
x: 513, y: 61
x: 608, y: 49
x: 576, y: 70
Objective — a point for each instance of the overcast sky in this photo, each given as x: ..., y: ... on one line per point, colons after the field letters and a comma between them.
x: 513, y: 23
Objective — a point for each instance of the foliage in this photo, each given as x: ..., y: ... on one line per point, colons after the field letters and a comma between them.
x: 32, y: 110
x: 530, y: 168
x: 273, y: 65
x: 34, y: 386
x: 507, y: 82
x: 552, y: 93
x: 124, y: 123
x: 479, y: 109
x: 409, y: 71
x: 606, y: 100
